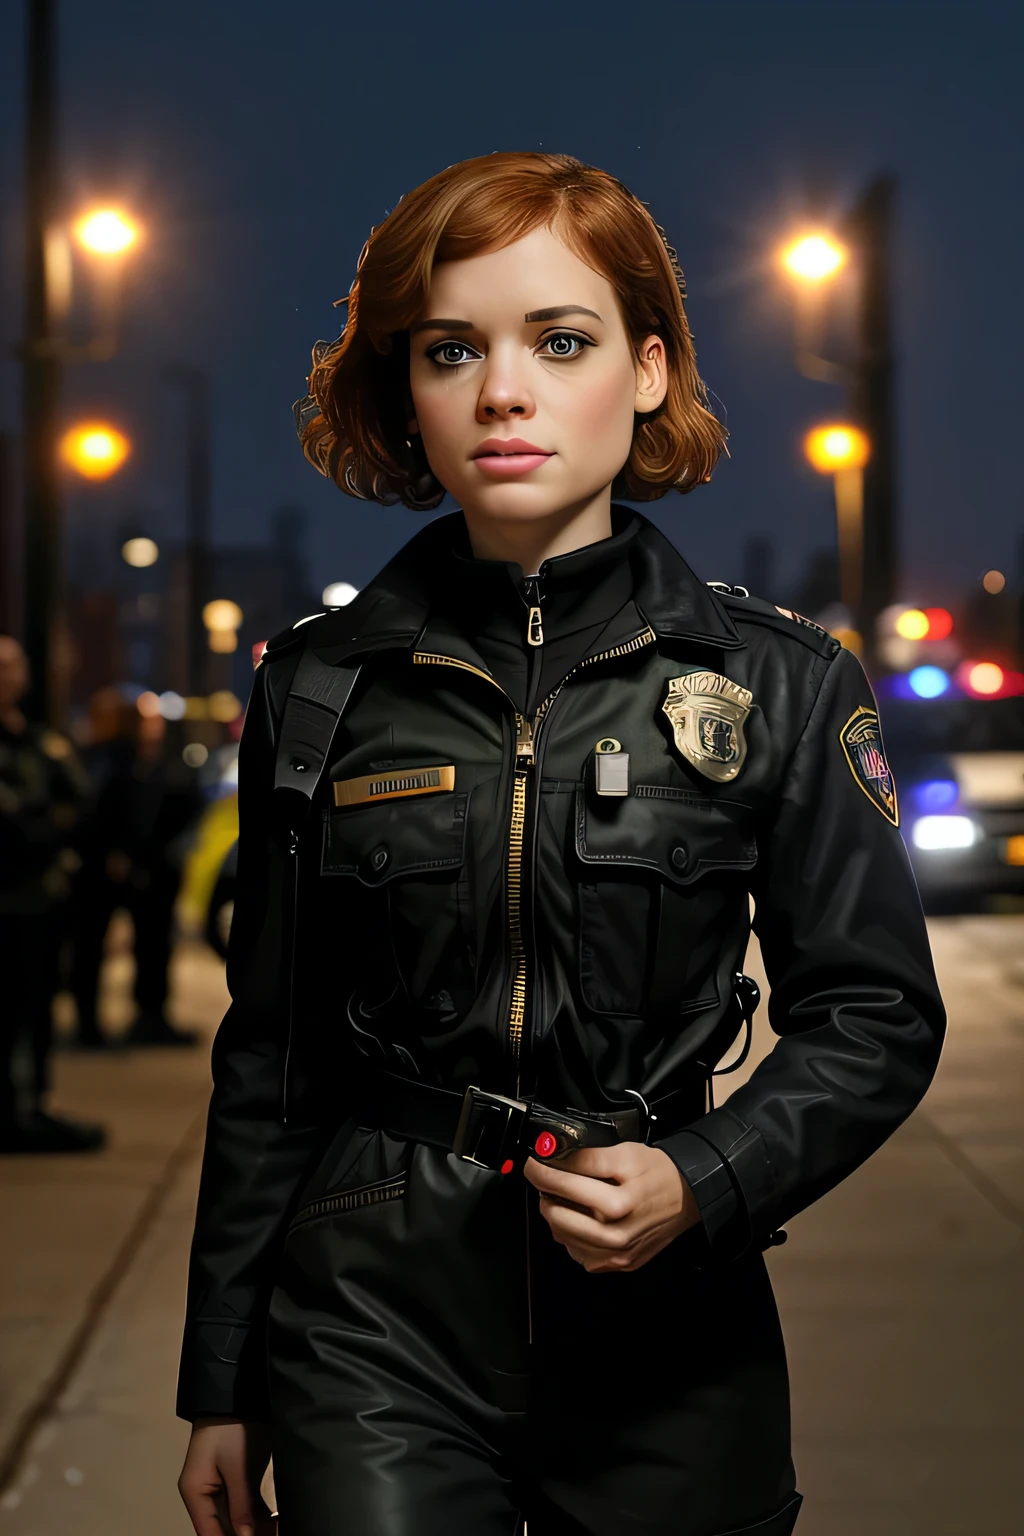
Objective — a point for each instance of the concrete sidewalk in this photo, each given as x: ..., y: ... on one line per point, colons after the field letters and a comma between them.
x: 899, y: 1293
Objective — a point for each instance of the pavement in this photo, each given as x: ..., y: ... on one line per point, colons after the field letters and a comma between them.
x: 900, y: 1293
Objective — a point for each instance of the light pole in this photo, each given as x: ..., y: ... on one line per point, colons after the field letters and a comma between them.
x: 842, y: 451
x: 195, y: 383
x: 45, y: 349
x: 812, y: 262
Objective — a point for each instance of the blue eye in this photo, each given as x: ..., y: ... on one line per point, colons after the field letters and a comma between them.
x: 442, y: 354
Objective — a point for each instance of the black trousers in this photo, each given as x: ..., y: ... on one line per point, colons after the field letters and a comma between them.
x: 29, y: 945
x: 438, y: 1363
x: 150, y: 900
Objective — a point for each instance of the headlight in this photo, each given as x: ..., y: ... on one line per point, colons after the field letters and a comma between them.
x: 944, y: 832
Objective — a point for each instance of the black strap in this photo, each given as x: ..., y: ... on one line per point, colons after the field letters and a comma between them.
x: 316, y: 702
x: 415, y: 1111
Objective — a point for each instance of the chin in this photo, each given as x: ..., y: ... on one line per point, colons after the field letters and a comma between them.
x: 521, y: 502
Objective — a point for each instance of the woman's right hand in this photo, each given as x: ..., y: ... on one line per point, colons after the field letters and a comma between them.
x: 220, y: 1481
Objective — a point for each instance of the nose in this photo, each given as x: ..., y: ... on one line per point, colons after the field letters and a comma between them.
x: 504, y: 391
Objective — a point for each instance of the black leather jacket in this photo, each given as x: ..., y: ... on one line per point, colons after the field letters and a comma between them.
x: 510, y: 926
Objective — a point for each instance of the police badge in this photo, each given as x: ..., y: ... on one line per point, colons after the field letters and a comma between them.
x: 707, y: 712
x: 861, y: 740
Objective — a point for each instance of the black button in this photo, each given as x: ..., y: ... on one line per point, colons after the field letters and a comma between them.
x: 298, y: 765
x: 679, y: 857
x: 378, y: 859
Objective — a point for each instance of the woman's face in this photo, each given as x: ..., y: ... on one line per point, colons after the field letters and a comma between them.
x: 524, y: 348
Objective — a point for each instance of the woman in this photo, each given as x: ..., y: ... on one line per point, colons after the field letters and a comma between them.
x: 472, y: 1243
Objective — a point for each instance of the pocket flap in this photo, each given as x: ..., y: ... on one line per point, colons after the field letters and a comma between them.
x: 378, y: 843
x: 678, y: 834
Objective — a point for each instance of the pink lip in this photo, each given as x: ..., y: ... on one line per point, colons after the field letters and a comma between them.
x: 508, y: 445
x: 503, y: 465
x: 503, y: 457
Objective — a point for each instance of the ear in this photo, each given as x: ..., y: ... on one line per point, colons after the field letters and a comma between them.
x: 651, y: 374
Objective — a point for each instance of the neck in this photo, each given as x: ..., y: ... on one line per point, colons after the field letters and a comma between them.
x: 529, y: 542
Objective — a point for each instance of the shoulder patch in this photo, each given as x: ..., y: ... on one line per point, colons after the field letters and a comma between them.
x: 861, y: 741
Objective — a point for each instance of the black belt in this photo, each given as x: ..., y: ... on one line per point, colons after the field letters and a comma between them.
x: 498, y: 1132
x: 495, y: 1131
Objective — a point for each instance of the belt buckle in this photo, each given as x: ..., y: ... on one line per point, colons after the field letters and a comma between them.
x: 490, y: 1128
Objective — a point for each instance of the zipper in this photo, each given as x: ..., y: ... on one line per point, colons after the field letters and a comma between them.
x: 352, y: 1199
x: 514, y: 887
x: 525, y: 757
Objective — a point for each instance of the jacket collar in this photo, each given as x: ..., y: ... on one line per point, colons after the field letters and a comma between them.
x: 395, y: 608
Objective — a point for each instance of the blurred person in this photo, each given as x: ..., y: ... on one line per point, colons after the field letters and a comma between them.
x: 106, y: 747
x: 43, y: 792
x: 145, y: 808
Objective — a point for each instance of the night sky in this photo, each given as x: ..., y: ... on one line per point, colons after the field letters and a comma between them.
x: 259, y: 142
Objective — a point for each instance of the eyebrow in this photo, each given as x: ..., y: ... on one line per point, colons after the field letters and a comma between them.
x: 557, y: 312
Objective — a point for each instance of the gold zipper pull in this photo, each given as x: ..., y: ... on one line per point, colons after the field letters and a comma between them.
x: 534, y: 628
x: 524, y: 739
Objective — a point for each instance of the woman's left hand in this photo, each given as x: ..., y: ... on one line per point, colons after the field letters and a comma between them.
x: 613, y: 1208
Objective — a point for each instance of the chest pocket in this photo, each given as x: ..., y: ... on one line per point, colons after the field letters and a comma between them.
x: 397, y: 840
x: 662, y: 881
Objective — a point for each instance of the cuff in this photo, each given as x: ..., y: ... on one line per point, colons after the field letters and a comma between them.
x: 707, y: 1173
x: 223, y: 1373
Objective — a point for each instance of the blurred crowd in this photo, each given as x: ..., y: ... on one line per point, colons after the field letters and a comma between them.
x: 84, y: 832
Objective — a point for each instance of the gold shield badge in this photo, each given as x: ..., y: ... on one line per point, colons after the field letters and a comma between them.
x: 707, y: 712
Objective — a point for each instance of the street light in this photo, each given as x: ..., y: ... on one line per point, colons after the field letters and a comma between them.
x: 94, y: 450
x: 841, y: 450
x: 106, y: 232
x: 814, y: 258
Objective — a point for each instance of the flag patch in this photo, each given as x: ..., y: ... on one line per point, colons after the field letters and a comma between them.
x: 861, y: 741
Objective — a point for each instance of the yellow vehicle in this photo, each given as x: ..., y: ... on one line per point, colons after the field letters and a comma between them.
x: 207, y: 894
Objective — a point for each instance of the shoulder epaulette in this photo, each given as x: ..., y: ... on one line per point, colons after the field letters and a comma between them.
x: 783, y: 620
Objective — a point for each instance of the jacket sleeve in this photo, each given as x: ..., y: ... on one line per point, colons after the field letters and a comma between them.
x: 853, y: 992
x: 253, y: 1163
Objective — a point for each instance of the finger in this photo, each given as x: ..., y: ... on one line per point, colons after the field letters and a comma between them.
x: 205, y: 1506
x: 623, y: 1161
x: 572, y: 1226
x: 248, y: 1515
x: 607, y: 1202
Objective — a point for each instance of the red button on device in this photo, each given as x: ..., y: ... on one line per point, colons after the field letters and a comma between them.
x: 507, y: 1165
x: 545, y: 1144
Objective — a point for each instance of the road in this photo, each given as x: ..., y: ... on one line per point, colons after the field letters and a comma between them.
x: 900, y: 1294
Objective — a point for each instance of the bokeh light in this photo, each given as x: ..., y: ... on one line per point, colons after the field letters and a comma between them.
x: 912, y: 624
x: 140, y: 552
x: 985, y: 677
x: 935, y: 795
x: 814, y: 257
x: 106, y: 232
x: 940, y: 623
x: 222, y: 614
x: 94, y: 450
x: 837, y: 446
x: 929, y: 682
x: 194, y: 755
x: 224, y: 706
x: 993, y: 581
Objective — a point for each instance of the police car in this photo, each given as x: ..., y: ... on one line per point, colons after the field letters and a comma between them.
x: 959, y: 769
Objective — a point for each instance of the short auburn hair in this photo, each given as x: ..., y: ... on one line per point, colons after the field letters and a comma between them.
x: 352, y: 423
